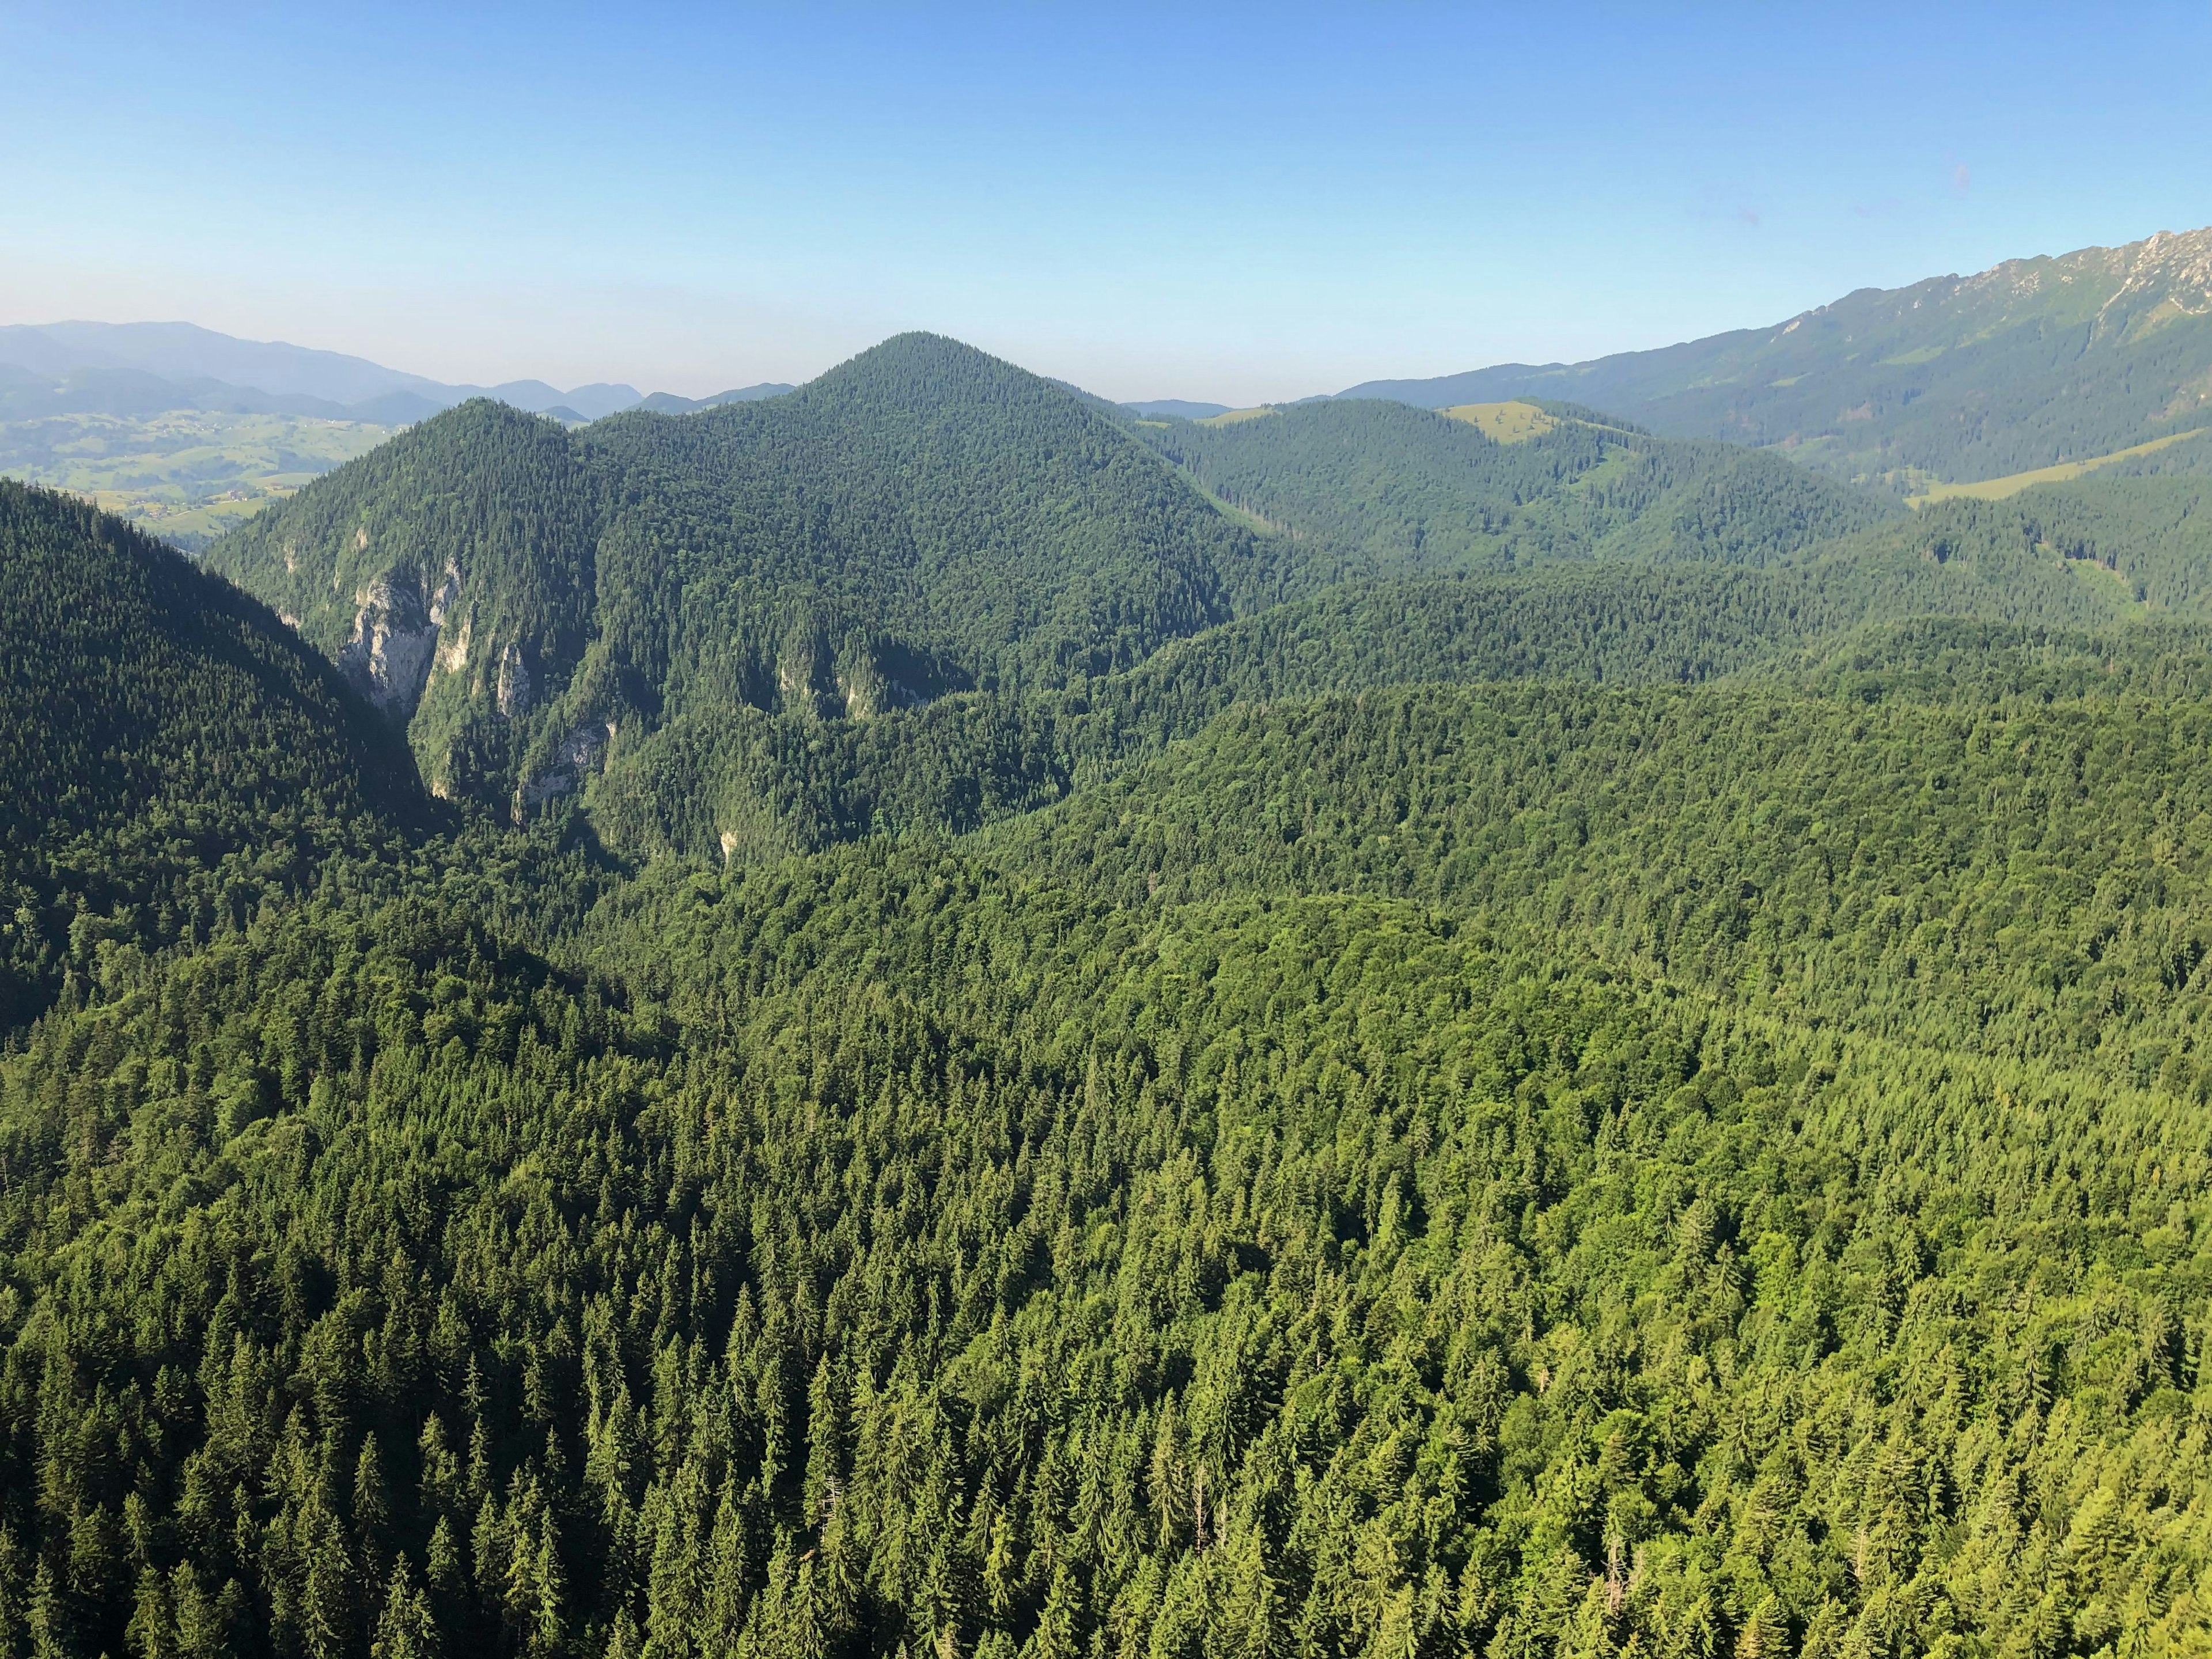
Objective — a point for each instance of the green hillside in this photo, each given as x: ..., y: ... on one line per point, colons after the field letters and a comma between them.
x: 169, y: 754
x: 1877, y: 852
x: 763, y: 786
x: 889, y: 601
x: 1587, y: 1045
x: 447, y: 573
x: 921, y: 519
x: 2031, y: 364
x: 1380, y: 488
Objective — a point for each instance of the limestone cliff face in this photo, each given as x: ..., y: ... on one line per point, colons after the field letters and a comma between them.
x: 854, y: 684
x: 2136, y: 289
x: 388, y: 658
x: 395, y: 638
x: 515, y: 689
x: 867, y: 691
x: 453, y: 651
x: 804, y: 683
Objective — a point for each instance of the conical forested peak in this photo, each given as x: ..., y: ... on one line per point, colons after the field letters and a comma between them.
x: 406, y: 500
x: 469, y: 421
x: 934, y: 402
x: 922, y: 519
x: 482, y: 496
x: 918, y: 370
x: 918, y: 352
x: 449, y: 574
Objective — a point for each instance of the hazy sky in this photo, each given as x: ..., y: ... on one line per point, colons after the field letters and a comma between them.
x: 1220, y: 202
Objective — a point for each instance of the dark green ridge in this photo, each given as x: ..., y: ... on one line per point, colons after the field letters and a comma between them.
x: 170, y: 753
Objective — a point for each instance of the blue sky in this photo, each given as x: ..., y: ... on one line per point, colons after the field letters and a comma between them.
x: 1220, y: 202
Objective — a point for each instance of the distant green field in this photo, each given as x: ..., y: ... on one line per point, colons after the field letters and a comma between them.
x: 1507, y: 424
x: 185, y: 475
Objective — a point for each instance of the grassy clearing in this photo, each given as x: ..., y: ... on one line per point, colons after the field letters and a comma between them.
x: 1508, y: 423
x: 1236, y: 414
x: 1251, y: 520
x: 2104, y: 579
x: 1996, y: 490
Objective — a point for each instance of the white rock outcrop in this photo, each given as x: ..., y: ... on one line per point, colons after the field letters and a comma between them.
x: 515, y: 687
x: 394, y: 638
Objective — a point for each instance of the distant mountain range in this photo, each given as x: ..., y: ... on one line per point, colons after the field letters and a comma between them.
x: 2034, y: 363
x: 142, y: 368
x: 2031, y: 363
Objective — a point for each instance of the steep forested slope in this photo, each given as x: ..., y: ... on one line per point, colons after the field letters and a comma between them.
x: 703, y: 607
x: 1385, y: 487
x: 921, y: 519
x: 446, y: 573
x: 2035, y: 362
x: 1648, y: 1106
x: 2155, y: 533
x: 763, y: 786
x: 169, y: 754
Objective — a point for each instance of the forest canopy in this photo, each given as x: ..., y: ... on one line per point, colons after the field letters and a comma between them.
x: 1322, y: 1036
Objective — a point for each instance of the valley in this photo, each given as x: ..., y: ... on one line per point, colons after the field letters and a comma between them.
x: 185, y: 475
x: 923, y: 1014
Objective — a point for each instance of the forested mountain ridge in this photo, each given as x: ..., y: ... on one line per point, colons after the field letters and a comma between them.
x: 169, y: 753
x: 742, y: 766
x: 921, y: 519
x: 1654, y: 1103
x: 762, y: 786
x: 1390, y: 490
x: 678, y: 603
x: 2031, y: 362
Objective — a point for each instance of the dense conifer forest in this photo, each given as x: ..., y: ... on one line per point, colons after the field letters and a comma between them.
x: 1409, y: 489
x: 919, y: 1019
x: 171, y: 754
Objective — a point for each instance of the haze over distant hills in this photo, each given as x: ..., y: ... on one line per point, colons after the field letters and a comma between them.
x: 73, y: 368
x: 2034, y: 363
x: 187, y: 432
x: 931, y: 1016
x: 1181, y: 409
